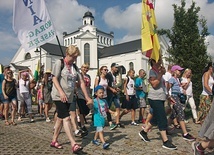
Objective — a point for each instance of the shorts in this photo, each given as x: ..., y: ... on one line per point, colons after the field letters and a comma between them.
x: 131, y: 104
x: 99, y: 129
x: 142, y: 102
x: 114, y: 99
x: 41, y: 102
x: 83, y: 108
x: 10, y: 99
x: 73, y: 106
x: 62, y: 109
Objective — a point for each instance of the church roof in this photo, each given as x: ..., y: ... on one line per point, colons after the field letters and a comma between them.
x: 122, y: 48
x: 88, y: 14
x: 17, y: 67
x: 53, y: 49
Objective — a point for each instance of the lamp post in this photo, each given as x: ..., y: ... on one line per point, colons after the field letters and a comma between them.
x: 40, y: 59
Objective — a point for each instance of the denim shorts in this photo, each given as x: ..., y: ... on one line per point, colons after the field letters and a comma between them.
x: 10, y: 99
x: 99, y: 129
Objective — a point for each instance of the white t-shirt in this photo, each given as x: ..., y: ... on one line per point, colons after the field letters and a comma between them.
x: 130, y: 87
x: 189, y: 88
x: 210, y: 84
x: 24, y: 86
x: 104, y: 83
x: 166, y: 77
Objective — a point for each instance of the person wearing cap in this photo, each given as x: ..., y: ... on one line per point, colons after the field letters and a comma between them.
x: 178, y: 100
x: 46, y: 89
x: 113, y: 91
x: 5, y: 69
x: 103, y: 81
x: 100, y: 114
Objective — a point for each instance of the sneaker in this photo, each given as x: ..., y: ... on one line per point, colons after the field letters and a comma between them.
x: 112, y: 126
x: 186, y: 121
x: 134, y: 123
x: 48, y: 120
x: 31, y: 120
x: 106, y: 145
x: 188, y: 137
x: 119, y: 125
x: 196, y: 150
x: 169, y: 145
x: 96, y: 142
x: 143, y: 136
x: 84, y: 129
x: 78, y: 134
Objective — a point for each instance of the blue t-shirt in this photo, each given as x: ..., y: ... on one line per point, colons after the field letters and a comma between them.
x: 139, y: 83
x: 99, y: 118
x: 175, y: 85
x: 1, y: 80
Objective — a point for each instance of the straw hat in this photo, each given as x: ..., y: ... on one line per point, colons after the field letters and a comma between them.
x: 48, y: 71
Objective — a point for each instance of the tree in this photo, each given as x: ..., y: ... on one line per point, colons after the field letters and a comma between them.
x: 187, y: 38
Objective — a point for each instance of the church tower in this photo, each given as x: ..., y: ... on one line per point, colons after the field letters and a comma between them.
x: 88, y: 19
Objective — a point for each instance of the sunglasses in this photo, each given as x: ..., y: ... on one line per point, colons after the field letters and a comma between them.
x: 9, y: 72
x: 105, y: 70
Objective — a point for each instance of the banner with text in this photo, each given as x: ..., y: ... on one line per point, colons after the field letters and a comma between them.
x: 31, y: 21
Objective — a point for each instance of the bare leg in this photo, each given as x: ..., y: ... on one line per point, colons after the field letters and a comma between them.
x: 133, y: 115
x: 118, y: 116
x: 67, y: 128
x: 163, y: 135
x: 148, y: 119
x: 101, y: 137
x: 183, y: 127
x: 73, y: 119
x: 14, y: 109
x: 58, y: 127
x: 125, y: 111
x: 6, y: 110
x: 96, y: 135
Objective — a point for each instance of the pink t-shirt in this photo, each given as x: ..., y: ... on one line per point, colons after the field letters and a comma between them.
x: 39, y: 94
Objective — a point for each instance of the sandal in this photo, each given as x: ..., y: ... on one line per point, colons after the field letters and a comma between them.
x: 7, y: 123
x: 76, y: 148
x: 56, y: 145
x: 13, y: 123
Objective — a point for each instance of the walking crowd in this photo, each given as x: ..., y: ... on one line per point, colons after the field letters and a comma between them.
x: 166, y: 93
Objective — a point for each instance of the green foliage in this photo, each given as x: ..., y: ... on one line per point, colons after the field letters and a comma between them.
x: 187, y: 38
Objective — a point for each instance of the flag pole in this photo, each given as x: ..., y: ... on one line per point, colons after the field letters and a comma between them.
x: 60, y: 46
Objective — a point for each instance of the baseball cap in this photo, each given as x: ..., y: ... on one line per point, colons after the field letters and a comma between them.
x: 176, y: 67
x: 114, y: 65
x: 98, y: 87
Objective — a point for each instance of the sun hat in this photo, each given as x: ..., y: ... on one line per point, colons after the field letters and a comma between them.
x: 48, y: 71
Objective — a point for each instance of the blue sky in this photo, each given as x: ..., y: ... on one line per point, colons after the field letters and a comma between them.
x: 123, y: 17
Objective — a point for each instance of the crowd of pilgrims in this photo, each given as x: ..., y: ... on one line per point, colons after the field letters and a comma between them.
x: 160, y: 97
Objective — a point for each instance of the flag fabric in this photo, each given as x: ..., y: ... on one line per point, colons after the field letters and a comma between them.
x: 149, y: 38
x: 37, y: 71
x: 31, y: 22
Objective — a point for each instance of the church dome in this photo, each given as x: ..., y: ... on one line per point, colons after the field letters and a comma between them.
x: 88, y: 14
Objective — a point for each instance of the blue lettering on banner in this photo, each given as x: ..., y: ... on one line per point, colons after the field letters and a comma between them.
x: 40, y: 39
x: 36, y: 19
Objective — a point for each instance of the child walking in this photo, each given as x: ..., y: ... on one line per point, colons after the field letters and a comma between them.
x: 100, y: 109
x: 40, y: 101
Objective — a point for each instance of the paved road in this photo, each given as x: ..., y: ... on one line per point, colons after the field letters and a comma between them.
x: 34, y: 138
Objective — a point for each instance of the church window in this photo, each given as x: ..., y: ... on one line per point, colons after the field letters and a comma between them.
x: 27, y: 56
x: 131, y: 65
x: 65, y: 44
x: 87, y: 53
x: 68, y: 41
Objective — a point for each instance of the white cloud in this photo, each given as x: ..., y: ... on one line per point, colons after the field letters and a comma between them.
x: 66, y: 15
x: 6, y: 5
x: 210, y: 49
x: 10, y: 42
x: 128, y: 19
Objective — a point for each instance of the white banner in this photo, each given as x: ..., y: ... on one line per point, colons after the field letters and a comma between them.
x: 31, y: 21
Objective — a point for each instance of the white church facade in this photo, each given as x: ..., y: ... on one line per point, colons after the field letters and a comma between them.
x: 97, y: 49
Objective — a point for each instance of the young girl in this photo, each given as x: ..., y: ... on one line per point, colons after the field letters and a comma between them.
x: 131, y: 100
x: 40, y: 100
x: 100, y: 110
